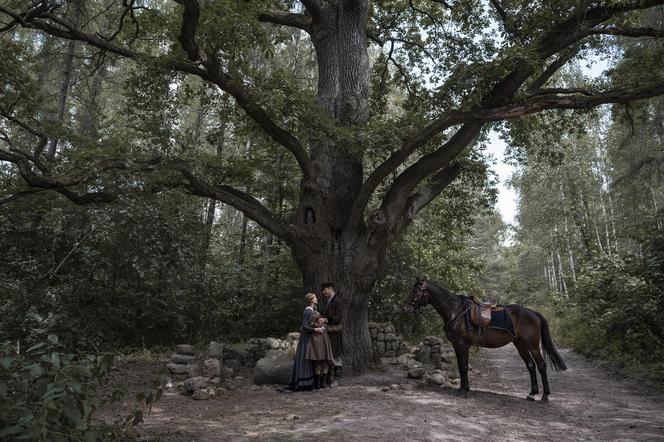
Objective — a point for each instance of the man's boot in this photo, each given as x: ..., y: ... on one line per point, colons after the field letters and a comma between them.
x: 323, y: 380
x: 316, y: 381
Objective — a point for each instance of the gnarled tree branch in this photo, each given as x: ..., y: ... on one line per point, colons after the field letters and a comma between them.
x: 190, y: 16
x: 629, y: 32
x: 560, y: 37
x: 504, y: 17
x: 294, y: 20
x: 420, y: 199
x: 562, y: 59
x: 242, y: 201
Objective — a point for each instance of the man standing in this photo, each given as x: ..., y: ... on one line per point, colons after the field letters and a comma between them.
x: 333, y: 312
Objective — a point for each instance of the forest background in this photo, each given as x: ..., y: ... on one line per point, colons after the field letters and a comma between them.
x: 162, y: 267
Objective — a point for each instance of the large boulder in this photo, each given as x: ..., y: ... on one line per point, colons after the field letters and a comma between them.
x: 417, y: 373
x: 196, y: 383
x: 274, y: 368
x: 437, y: 379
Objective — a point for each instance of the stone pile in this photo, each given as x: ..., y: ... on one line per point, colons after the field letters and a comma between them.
x: 247, y: 354
x: 435, y: 351
x: 183, y: 361
x: 431, y: 362
x: 385, y: 341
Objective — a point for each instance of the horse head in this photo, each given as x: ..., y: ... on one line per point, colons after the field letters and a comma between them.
x: 419, y: 297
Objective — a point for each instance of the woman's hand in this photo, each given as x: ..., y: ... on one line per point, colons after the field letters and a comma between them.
x: 319, y: 330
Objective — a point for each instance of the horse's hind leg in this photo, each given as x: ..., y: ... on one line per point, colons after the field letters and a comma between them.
x: 522, y: 347
x: 541, y: 366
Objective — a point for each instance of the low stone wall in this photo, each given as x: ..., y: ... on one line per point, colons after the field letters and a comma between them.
x: 246, y: 354
x: 385, y: 341
x: 435, y: 351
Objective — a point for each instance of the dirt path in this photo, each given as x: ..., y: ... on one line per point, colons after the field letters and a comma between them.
x: 586, y: 404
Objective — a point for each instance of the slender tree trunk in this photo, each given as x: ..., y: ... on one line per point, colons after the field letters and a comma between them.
x: 268, y: 242
x: 552, y: 272
x: 658, y: 221
x: 595, y: 225
x: 52, y: 145
x: 606, y: 223
x: 89, y: 120
x: 570, y: 253
x: 243, y: 240
x: 579, y: 215
x: 563, y: 285
x: 613, y: 225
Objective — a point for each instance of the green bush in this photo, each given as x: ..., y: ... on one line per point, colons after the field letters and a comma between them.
x: 47, y: 393
x: 616, y: 308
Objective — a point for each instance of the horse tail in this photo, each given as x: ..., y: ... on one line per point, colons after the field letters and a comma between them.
x: 550, y: 351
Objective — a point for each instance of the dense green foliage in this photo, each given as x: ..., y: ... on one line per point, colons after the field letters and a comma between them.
x: 589, y: 239
x: 151, y: 264
x: 48, y: 393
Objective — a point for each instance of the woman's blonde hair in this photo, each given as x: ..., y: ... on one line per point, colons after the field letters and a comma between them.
x: 309, y: 297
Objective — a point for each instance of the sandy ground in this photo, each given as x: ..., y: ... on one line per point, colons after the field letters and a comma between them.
x: 586, y: 404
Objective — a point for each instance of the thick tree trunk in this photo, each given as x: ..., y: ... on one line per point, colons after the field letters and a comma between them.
x: 354, y: 272
x: 326, y: 247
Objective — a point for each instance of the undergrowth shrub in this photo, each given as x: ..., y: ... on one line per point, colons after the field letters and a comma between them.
x: 48, y: 393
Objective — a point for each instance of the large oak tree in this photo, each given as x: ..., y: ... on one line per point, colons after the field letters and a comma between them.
x: 463, y: 64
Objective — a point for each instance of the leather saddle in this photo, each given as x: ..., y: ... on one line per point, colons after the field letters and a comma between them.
x: 480, y: 312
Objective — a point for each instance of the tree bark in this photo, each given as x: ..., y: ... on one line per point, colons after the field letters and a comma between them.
x: 326, y: 247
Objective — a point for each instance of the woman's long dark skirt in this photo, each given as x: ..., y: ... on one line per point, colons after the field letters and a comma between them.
x: 302, y: 375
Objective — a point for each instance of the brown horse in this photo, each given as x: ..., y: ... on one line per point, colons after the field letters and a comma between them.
x: 530, y: 328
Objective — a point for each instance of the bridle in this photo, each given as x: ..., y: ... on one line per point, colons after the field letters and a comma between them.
x: 421, y: 297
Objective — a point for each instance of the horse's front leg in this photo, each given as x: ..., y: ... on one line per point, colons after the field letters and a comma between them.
x: 461, y: 351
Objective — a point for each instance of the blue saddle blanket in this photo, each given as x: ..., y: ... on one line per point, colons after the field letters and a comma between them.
x: 499, y: 319
x: 502, y: 320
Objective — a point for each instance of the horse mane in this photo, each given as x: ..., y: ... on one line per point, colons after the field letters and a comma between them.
x: 437, y: 287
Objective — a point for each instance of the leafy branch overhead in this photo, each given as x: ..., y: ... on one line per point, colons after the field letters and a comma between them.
x: 469, y: 64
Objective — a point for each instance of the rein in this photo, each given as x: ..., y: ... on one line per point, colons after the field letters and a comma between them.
x: 423, y: 296
x: 462, y: 311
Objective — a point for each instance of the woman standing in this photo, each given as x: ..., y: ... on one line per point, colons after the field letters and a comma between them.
x: 319, y: 351
x: 302, y: 375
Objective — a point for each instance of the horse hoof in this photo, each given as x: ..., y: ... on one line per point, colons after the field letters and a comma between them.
x: 530, y: 398
x: 462, y: 393
x: 544, y: 399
